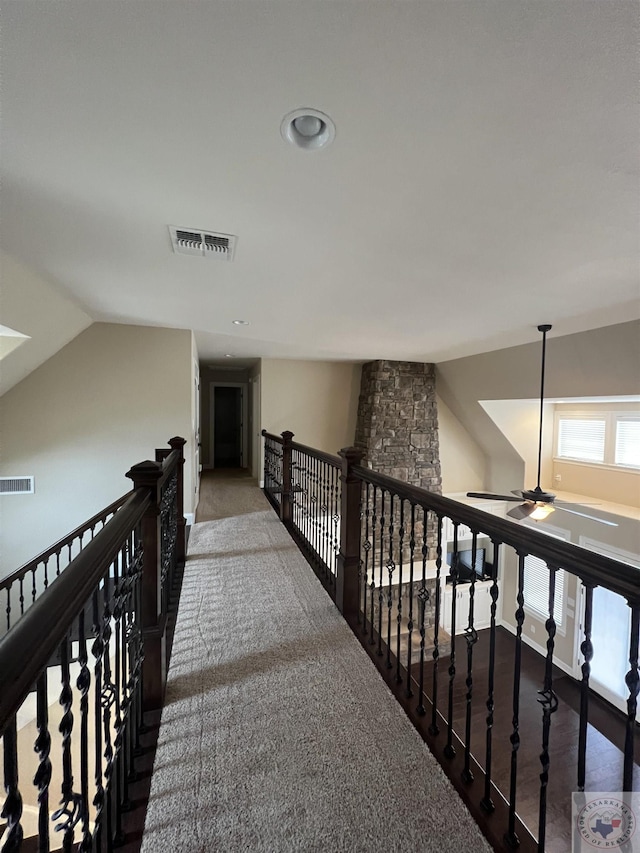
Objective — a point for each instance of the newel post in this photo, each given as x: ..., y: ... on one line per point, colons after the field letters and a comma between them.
x: 348, y: 564
x: 147, y: 475
x: 285, y: 505
x: 178, y: 443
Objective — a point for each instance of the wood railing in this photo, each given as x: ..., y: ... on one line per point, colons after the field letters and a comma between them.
x: 412, y: 612
x: 102, y: 620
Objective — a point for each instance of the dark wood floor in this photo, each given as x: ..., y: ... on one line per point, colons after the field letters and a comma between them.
x: 605, y: 735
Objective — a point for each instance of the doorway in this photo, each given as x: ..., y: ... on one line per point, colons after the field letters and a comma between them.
x: 228, y: 421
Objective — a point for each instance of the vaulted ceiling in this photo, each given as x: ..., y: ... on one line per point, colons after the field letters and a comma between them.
x: 483, y: 178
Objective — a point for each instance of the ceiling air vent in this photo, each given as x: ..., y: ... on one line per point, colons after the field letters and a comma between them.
x: 17, y: 485
x: 186, y: 241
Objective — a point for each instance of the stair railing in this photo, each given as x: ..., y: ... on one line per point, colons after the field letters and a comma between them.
x: 104, y: 619
x: 419, y: 623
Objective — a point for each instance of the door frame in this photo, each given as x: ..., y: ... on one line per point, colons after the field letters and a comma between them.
x: 244, y: 432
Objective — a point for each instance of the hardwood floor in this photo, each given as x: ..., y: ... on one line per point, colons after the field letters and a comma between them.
x: 604, y: 740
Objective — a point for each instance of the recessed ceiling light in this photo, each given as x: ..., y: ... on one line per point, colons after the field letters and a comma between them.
x: 240, y: 322
x: 308, y: 129
x: 228, y: 355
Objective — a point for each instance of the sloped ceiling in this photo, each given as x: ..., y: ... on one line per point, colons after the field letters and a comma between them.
x: 483, y: 178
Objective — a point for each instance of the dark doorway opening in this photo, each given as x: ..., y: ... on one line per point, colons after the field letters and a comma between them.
x: 227, y: 426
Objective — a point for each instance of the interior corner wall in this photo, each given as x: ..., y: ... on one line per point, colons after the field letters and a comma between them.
x: 316, y: 400
x: 80, y: 421
x: 462, y: 460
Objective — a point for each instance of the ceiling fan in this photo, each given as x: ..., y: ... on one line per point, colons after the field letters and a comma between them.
x: 536, y: 503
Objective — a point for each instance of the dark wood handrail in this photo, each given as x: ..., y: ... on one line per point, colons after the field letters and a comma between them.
x: 276, y: 438
x: 317, y: 454
x: 592, y: 568
x: 28, y: 647
x: 67, y: 540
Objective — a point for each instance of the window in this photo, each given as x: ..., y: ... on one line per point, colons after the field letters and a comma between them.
x: 581, y: 438
x: 628, y: 442
x: 606, y: 438
x: 536, y: 590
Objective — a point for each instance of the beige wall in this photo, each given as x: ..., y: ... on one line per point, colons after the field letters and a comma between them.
x: 32, y: 306
x: 316, y: 400
x: 102, y: 404
x: 462, y: 460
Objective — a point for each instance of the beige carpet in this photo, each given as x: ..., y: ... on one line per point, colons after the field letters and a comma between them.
x: 278, y: 734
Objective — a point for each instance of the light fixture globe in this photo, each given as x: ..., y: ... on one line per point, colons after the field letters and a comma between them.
x: 308, y: 129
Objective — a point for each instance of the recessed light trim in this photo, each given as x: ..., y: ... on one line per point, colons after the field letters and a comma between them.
x: 228, y: 355
x: 240, y: 322
x: 308, y: 129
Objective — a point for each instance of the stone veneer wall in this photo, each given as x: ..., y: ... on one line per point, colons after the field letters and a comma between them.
x: 397, y: 426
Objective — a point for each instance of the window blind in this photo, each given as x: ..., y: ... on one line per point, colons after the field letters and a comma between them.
x: 581, y: 438
x: 628, y: 442
x: 536, y: 589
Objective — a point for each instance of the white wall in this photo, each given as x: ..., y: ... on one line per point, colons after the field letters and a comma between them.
x: 316, y: 400
x: 102, y: 404
x: 36, y: 308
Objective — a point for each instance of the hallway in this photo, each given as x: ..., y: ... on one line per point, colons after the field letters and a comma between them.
x: 277, y: 733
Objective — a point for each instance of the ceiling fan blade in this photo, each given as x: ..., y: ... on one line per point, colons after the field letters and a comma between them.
x: 576, y: 503
x: 584, y: 515
x: 493, y: 497
x: 518, y: 492
x: 522, y: 511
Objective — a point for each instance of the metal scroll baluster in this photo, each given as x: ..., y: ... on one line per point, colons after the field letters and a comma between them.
x: 97, y: 650
x: 33, y: 585
x: 68, y: 814
x: 632, y: 680
x: 449, y: 749
x: 390, y: 570
x: 12, y: 808
x: 42, y: 746
x: 336, y: 520
x: 412, y: 548
x: 399, y: 617
x: 366, y: 546
x: 107, y: 699
x: 22, y: 596
x: 374, y: 520
x: 8, y: 607
x: 487, y: 802
x: 586, y: 647
x: 471, y: 636
x: 549, y: 703
x: 118, y: 582
x: 511, y: 837
x: 325, y: 519
x: 46, y: 569
x: 423, y: 598
x: 380, y: 587
x: 83, y: 684
x: 434, y: 728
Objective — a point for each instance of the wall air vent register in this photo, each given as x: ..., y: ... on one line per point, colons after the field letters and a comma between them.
x: 205, y: 244
x: 17, y: 485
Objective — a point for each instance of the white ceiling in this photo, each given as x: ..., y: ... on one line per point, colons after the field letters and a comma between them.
x: 483, y: 179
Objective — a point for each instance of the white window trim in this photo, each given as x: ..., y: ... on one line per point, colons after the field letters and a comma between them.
x: 611, y: 418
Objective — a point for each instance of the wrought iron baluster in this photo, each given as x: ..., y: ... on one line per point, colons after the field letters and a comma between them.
x: 118, y: 581
x: 33, y: 585
x: 423, y: 597
x: 511, y: 837
x: 46, y: 571
x: 434, y: 728
x: 69, y: 812
x: 107, y: 699
x: 58, y: 569
x: 399, y: 616
x: 586, y: 647
x: 42, y: 746
x: 632, y: 680
x: 412, y: 548
x: 487, y: 802
x: 8, y: 607
x: 374, y: 521
x: 12, y: 808
x: 22, y: 596
x: 390, y: 569
x: 381, y: 579
x: 83, y: 684
x: 471, y: 636
x: 97, y: 650
x: 449, y: 748
x: 336, y: 519
x: 549, y: 703
x: 366, y: 547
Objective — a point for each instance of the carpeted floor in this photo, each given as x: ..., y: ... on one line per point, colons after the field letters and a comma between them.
x: 278, y: 734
